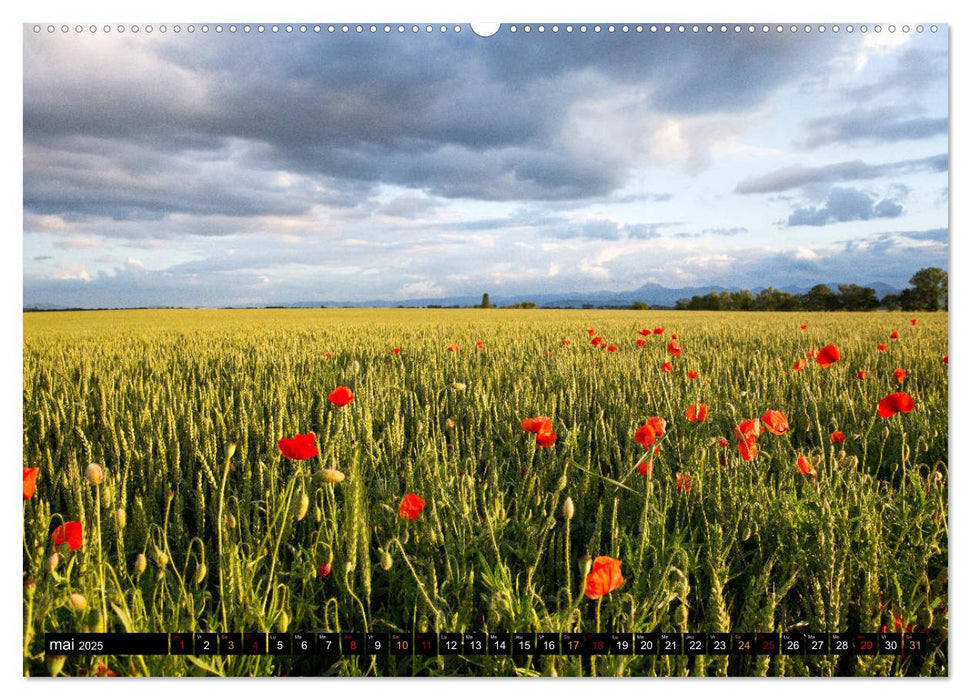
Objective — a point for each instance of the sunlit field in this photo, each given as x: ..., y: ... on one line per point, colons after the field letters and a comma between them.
x: 430, y: 503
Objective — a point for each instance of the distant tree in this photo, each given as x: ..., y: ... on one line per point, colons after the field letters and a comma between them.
x: 485, y: 302
x: 930, y: 289
x: 853, y: 297
x: 891, y: 302
x: 523, y: 305
x: 639, y: 306
x: 820, y: 298
x: 586, y: 306
x: 771, y: 299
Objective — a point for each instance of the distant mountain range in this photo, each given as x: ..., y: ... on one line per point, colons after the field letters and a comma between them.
x: 655, y: 295
x: 652, y: 294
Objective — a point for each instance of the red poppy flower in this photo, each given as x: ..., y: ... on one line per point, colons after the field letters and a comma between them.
x: 861, y: 374
x: 641, y: 342
x: 411, y: 506
x: 881, y: 347
x: 899, y: 623
x: 452, y: 348
x: 748, y: 449
x: 900, y: 374
x: 590, y: 331
x: 596, y: 341
x: 341, y: 396
x: 666, y: 367
x: 837, y: 437
x: 748, y: 429
x: 566, y: 341
x: 659, y: 425
x: 30, y: 481
x: 674, y: 336
x: 542, y: 424
x: 693, y: 374
x: 479, y: 344
x: 658, y: 331
x: 803, y: 326
x: 645, y: 435
x: 894, y: 335
x: 545, y: 438
x: 895, y: 403
x: 799, y: 365
x: 697, y: 412
x: 611, y: 348
x: 102, y: 671
x: 549, y: 353
x: 299, y: 446
x: 674, y: 348
x: 775, y: 422
x: 828, y: 356
x: 811, y: 354
x: 603, y: 578
x: 324, y: 569
x: 805, y: 467
x: 645, y: 331
x: 326, y: 354
x: 71, y: 532
x: 646, y: 468
x: 723, y: 443
x: 682, y: 482
x: 913, y: 321
x: 397, y: 351
x: 944, y: 359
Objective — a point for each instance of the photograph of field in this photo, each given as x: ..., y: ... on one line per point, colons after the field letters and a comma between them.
x: 599, y: 331
x: 182, y: 411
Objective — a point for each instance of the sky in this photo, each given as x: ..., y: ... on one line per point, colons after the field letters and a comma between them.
x: 248, y: 169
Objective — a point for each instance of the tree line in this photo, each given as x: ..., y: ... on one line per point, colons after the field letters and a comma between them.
x: 928, y: 292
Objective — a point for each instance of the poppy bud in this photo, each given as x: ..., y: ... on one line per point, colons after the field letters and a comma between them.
x: 52, y: 562
x: 318, y: 514
x: 585, y: 563
x: 79, y: 602
x: 450, y: 424
x: 324, y: 569
x: 568, y: 510
x: 140, y: 564
x: 562, y: 483
x: 200, y: 573
x: 302, y: 507
x: 283, y: 622
x: 229, y: 449
x: 386, y: 561
x: 332, y: 476
x: 161, y: 558
x: 231, y: 521
x: 355, y: 367
x: 94, y: 473
x: 458, y: 386
x: 55, y: 663
x: 121, y: 518
x: 30, y: 586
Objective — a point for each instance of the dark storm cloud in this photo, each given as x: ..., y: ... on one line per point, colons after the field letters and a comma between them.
x: 845, y: 204
x: 885, y: 124
x: 802, y: 175
x: 201, y: 125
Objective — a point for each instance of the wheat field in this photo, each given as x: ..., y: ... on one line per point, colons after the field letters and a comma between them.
x: 192, y: 518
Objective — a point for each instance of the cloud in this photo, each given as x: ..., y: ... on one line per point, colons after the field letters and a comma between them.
x: 242, y: 125
x: 877, y: 125
x: 845, y: 204
x: 795, y: 176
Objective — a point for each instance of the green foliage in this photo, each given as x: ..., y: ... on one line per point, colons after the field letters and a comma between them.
x: 154, y: 396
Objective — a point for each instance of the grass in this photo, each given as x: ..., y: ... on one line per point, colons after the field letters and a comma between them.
x: 155, y: 396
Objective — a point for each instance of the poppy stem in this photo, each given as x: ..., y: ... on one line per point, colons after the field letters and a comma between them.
x: 569, y: 565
